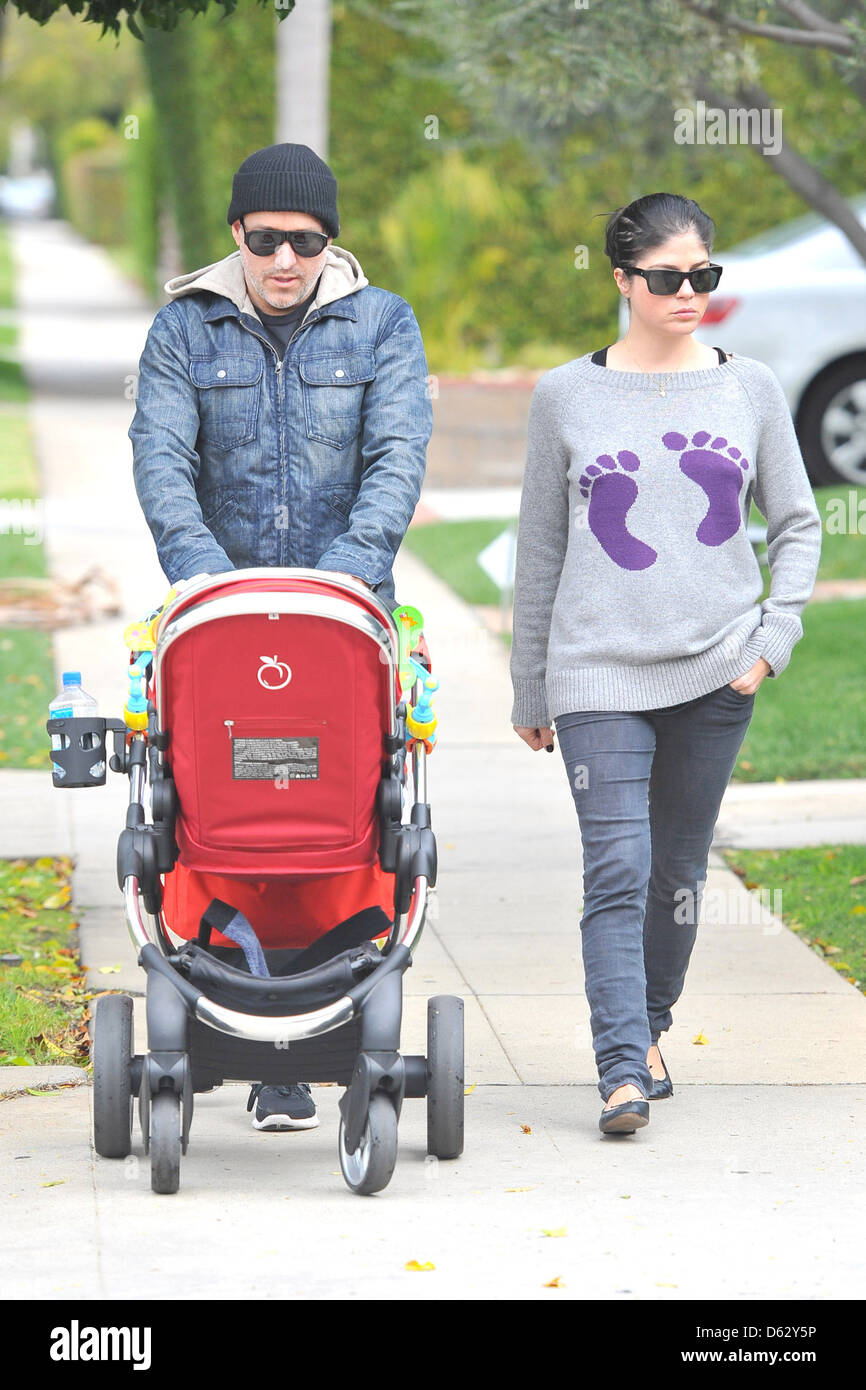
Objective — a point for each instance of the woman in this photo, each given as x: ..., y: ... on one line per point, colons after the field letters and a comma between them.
x: 638, y: 626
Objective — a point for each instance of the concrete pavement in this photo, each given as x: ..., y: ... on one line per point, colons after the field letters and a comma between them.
x: 747, y: 1184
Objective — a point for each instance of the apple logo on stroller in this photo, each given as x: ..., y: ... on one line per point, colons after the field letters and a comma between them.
x: 270, y: 664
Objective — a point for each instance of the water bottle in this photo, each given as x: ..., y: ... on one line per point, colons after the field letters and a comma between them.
x: 74, y: 703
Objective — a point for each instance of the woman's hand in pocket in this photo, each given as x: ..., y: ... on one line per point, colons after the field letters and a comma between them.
x: 536, y: 738
x: 747, y: 684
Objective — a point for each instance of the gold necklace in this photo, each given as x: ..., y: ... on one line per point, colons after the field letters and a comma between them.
x: 643, y: 369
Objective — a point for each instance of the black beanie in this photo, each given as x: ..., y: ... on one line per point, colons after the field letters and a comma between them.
x: 285, y: 178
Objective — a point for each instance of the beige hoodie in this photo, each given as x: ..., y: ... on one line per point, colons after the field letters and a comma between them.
x: 340, y: 276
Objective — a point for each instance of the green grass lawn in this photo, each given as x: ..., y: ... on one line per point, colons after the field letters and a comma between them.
x: 7, y: 271
x: 450, y: 549
x: 26, y: 662
x: 12, y: 384
x: 823, y: 898
x: 843, y: 544
x: 43, y: 1001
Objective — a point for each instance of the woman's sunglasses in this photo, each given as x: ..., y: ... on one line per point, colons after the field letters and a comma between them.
x: 669, y: 281
x: 264, y: 241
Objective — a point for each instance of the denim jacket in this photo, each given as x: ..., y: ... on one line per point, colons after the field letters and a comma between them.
x: 241, y: 459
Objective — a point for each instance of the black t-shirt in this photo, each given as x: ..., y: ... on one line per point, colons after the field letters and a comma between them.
x: 280, y: 328
x: 600, y: 357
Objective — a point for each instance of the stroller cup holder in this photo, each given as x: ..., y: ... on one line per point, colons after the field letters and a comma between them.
x: 84, y: 746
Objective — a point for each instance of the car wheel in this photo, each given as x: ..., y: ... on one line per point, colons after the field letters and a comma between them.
x: 832, y: 425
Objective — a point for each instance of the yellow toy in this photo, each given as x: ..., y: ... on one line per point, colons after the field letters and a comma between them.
x: 140, y: 637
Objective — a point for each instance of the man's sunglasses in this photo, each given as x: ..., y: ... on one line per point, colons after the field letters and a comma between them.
x: 264, y: 241
x: 669, y: 281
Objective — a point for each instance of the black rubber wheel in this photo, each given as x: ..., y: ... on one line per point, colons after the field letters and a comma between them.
x: 165, y: 1142
x: 830, y: 423
x: 112, y: 1088
x: 371, y: 1166
x: 445, y: 1076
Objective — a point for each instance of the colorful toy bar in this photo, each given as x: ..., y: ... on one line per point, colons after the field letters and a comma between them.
x: 421, y: 720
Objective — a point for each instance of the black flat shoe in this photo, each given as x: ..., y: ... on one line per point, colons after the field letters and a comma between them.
x: 664, y: 1088
x: 625, y: 1118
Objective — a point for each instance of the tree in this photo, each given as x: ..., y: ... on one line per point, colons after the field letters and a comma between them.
x: 544, y: 69
x: 154, y: 14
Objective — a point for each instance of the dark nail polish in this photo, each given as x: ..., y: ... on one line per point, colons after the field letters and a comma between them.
x: 549, y: 747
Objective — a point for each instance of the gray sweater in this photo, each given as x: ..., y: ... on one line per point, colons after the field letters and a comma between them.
x: 636, y: 585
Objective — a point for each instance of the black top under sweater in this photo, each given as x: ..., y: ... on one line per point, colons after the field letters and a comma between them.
x: 600, y: 357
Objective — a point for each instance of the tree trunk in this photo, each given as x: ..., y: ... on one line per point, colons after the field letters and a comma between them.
x: 797, y: 172
x: 303, y: 54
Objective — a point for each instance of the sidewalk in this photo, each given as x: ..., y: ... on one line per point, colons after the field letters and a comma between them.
x: 760, y: 1150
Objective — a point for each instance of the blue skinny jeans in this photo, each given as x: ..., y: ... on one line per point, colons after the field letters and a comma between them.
x: 647, y: 786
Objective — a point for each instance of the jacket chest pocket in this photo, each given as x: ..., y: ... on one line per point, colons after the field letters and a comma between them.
x: 229, y: 396
x: 333, y: 386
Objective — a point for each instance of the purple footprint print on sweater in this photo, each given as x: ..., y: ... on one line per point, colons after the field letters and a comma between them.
x: 719, y: 476
x: 611, y: 495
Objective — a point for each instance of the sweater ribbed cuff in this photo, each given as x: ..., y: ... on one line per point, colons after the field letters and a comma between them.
x: 530, y: 710
x: 783, y: 633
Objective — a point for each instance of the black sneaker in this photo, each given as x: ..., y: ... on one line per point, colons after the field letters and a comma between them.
x: 283, y: 1107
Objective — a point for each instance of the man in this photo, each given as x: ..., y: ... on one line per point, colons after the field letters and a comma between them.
x: 282, y: 413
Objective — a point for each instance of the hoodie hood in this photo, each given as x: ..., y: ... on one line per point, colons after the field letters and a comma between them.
x: 341, y: 275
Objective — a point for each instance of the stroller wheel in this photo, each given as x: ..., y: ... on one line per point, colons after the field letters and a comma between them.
x: 165, y: 1142
x: 445, y: 1076
x: 370, y: 1167
x: 112, y: 1081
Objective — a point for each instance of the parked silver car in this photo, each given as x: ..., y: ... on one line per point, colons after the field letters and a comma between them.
x: 795, y: 298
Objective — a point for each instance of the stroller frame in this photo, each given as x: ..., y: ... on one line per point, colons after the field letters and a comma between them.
x: 338, y: 1022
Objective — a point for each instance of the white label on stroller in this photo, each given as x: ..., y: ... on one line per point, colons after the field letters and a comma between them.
x: 275, y: 759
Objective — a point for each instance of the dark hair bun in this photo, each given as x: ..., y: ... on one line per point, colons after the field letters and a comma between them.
x: 650, y: 221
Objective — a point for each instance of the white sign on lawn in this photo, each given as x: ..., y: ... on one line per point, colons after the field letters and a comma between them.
x: 497, y: 559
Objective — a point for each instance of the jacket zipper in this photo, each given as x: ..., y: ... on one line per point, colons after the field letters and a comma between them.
x: 270, y: 345
x: 267, y: 344
x: 279, y: 365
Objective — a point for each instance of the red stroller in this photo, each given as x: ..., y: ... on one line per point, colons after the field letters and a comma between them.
x: 275, y: 752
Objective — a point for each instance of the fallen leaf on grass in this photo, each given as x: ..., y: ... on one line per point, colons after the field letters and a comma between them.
x: 416, y: 1267
x: 18, y: 1062
x: 700, y: 1040
x: 556, y: 1283
x: 556, y: 1231
x: 825, y: 946
x: 858, y: 878
x: 59, y: 899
